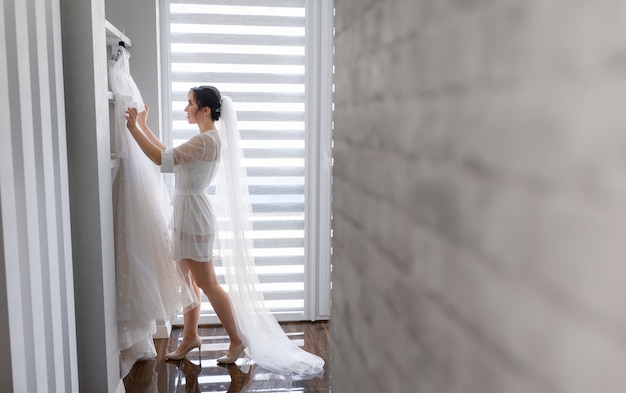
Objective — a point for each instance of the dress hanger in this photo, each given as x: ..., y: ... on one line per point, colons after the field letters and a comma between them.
x: 116, y: 57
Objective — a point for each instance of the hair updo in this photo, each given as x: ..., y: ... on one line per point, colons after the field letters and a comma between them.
x: 211, y: 97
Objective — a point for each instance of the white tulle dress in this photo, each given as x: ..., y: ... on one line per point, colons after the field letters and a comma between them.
x: 150, y: 284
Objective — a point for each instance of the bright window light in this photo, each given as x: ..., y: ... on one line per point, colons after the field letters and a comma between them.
x: 239, y: 68
x: 239, y: 49
x: 236, y: 10
x: 237, y: 30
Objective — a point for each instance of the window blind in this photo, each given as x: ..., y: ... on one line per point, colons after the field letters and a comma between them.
x: 254, y: 52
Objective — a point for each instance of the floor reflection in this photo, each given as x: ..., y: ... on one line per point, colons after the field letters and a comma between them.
x: 194, y: 378
x: 200, y: 372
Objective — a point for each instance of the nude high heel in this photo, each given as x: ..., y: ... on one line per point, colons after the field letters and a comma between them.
x: 196, y: 343
x: 233, y: 358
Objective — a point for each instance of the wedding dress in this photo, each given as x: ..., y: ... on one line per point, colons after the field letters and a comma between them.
x: 150, y: 284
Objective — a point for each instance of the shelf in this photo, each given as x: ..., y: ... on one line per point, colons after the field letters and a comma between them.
x: 114, y: 36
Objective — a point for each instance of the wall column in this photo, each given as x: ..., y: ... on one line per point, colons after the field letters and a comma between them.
x: 36, y: 278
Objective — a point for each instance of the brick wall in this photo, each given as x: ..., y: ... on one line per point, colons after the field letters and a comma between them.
x: 479, y: 196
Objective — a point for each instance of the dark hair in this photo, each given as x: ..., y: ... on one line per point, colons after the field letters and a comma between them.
x: 211, y: 97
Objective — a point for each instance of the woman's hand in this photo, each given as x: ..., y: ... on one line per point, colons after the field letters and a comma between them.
x: 151, y: 150
x: 143, y: 117
x: 131, y: 117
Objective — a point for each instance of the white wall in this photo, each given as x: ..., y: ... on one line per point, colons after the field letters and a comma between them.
x: 86, y: 86
x: 36, y: 288
x: 139, y: 20
x: 479, y: 196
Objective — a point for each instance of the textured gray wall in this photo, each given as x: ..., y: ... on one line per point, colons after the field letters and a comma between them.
x: 479, y: 196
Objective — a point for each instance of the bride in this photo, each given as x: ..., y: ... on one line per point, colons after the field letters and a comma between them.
x: 250, y: 326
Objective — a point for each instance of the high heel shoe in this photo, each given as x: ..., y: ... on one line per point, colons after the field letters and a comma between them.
x: 196, y: 343
x: 233, y: 358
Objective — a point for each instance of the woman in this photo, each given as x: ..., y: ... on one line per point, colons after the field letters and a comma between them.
x: 247, y: 321
x: 194, y: 164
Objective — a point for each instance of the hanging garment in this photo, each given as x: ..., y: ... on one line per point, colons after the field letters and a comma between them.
x: 150, y: 285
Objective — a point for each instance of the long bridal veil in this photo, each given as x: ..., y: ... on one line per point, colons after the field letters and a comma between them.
x: 266, y: 342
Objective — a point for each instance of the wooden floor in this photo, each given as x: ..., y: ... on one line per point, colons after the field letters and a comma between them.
x: 199, y: 372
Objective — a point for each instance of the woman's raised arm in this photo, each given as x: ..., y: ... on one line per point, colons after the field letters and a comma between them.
x: 151, y: 150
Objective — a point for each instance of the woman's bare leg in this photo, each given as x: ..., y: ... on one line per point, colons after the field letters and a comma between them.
x: 204, y: 276
x: 191, y: 316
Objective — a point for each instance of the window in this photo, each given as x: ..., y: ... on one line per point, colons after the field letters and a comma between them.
x: 274, y: 59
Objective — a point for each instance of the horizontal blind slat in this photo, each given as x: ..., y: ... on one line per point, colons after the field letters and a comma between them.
x: 270, y: 153
x: 275, y: 171
x: 283, y: 295
x: 280, y: 260
x: 272, y: 116
x: 261, y: 3
x: 267, y: 135
x: 239, y: 10
x: 277, y: 207
x: 190, y: 77
x: 210, y: 29
x: 276, y: 190
x: 277, y: 98
x: 180, y: 69
x: 275, y: 50
x: 290, y: 223
x: 231, y: 39
x: 235, y: 58
x: 272, y: 135
x: 265, y: 116
x: 231, y: 88
x: 270, y: 190
x: 280, y: 243
x: 229, y: 20
x: 280, y: 277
